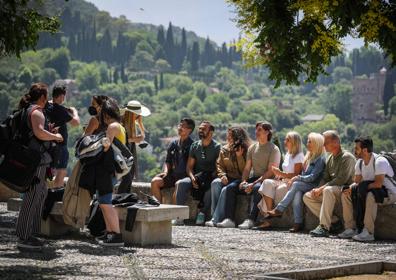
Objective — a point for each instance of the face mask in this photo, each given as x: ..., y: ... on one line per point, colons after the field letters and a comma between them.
x: 92, y: 111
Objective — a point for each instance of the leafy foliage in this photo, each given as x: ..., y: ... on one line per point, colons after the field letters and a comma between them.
x: 299, y: 37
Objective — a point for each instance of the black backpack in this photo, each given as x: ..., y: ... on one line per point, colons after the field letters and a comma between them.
x: 18, y: 163
x: 14, y: 127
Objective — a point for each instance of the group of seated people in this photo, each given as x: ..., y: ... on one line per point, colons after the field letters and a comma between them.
x: 215, y: 175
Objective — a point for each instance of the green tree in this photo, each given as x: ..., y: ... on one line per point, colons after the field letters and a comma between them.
x: 392, y: 106
x: 20, y: 25
x: 49, y: 75
x: 194, y: 57
x: 300, y: 37
x: 142, y: 60
x: 60, y: 61
x: 88, y: 77
x: 161, y: 65
x: 337, y: 100
x: 340, y: 73
x: 25, y: 76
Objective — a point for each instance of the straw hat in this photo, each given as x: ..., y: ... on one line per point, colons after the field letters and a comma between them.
x: 136, y: 107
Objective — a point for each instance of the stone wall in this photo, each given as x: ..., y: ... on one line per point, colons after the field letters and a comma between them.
x: 385, y: 223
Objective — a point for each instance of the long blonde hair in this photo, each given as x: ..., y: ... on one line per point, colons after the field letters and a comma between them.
x: 318, y: 150
x: 296, y: 143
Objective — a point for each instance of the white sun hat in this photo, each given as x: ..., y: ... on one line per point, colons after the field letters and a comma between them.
x: 136, y: 107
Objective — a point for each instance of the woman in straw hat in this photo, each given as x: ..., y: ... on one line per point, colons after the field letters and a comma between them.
x: 132, y: 119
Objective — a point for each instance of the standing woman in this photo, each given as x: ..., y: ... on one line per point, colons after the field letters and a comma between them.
x: 28, y: 224
x: 314, y: 164
x: 291, y: 166
x: 133, y: 119
x: 95, y: 124
x: 111, y: 117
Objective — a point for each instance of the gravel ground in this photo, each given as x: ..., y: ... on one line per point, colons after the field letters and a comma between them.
x: 196, y: 253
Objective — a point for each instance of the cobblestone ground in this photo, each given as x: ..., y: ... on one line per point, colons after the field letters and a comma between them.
x: 196, y: 253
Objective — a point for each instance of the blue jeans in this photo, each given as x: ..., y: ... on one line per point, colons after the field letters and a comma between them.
x: 220, y: 199
x: 295, y: 194
x: 183, y: 189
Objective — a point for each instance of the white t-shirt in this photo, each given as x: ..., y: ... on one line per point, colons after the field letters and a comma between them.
x: 382, y: 167
x: 290, y: 161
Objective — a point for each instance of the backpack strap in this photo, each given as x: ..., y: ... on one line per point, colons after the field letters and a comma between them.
x: 361, y: 163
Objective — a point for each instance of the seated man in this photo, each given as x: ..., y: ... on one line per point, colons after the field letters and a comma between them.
x: 338, y: 172
x: 261, y: 157
x: 201, y: 169
x: 176, y: 159
x: 372, y: 173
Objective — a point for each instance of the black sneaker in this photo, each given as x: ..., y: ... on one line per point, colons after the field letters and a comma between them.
x: 102, y: 237
x: 32, y: 243
x: 113, y: 240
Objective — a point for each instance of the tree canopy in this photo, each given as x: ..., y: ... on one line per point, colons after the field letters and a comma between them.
x: 294, y: 37
x: 20, y: 24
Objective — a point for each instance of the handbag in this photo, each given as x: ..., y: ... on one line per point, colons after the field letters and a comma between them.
x: 18, y: 165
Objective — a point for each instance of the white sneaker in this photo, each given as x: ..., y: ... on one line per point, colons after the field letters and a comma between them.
x: 364, y: 236
x: 247, y: 224
x: 226, y: 223
x: 210, y: 223
x: 348, y: 233
x: 178, y: 222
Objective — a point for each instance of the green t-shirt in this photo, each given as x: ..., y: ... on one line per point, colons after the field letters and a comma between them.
x: 205, y: 157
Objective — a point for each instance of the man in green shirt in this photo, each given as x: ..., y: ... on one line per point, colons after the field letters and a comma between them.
x: 339, y: 172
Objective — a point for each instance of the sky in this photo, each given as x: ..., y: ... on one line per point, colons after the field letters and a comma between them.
x: 207, y: 18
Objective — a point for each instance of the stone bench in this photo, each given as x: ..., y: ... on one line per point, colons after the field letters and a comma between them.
x: 385, y: 226
x: 152, y: 225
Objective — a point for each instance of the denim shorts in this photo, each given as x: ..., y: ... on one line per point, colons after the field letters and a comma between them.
x: 63, y: 157
x: 105, y: 199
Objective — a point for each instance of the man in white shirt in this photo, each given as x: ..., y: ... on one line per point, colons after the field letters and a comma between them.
x: 376, y: 172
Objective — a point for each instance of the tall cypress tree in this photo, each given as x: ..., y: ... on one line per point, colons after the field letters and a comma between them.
x: 169, y: 47
x: 106, y: 47
x: 207, y: 56
x: 72, y: 46
x: 223, y: 56
x: 93, y: 53
x: 156, y: 83
x: 116, y: 76
x: 183, y: 46
x: 195, y: 57
x: 161, y: 35
x: 389, y: 88
x: 119, y: 49
x: 161, y: 85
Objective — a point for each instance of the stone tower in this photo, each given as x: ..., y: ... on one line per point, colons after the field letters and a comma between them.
x: 366, y: 94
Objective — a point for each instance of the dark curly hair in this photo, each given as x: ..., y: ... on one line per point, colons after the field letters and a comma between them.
x: 240, y: 139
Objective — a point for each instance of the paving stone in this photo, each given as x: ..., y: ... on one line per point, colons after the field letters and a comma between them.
x: 196, y: 253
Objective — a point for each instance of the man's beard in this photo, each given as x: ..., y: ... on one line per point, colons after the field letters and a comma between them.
x: 202, y: 136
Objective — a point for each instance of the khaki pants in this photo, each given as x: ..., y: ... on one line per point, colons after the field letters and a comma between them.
x: 370, y: 213
x: 323, y: 205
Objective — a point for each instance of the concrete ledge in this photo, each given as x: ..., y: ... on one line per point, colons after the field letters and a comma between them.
x: 375, y: 267
x: 152, y: 225
x: 385, y: 228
